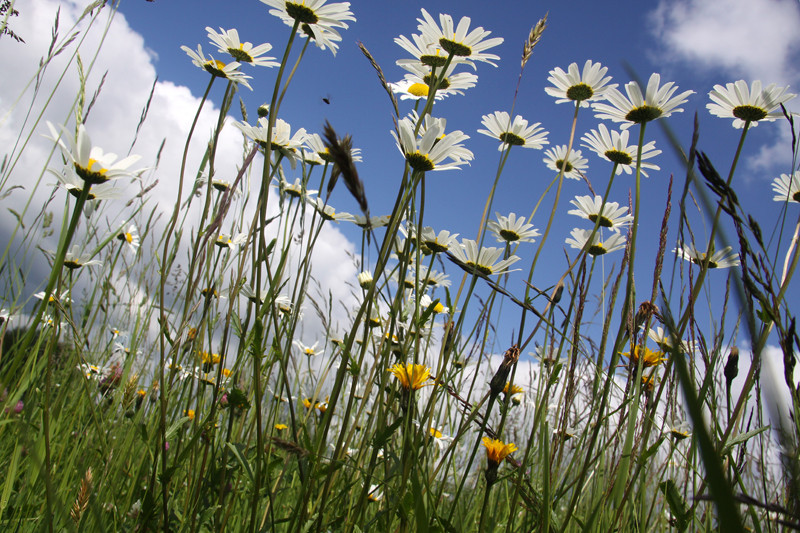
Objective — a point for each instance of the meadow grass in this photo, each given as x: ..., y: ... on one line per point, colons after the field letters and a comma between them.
x: 210, y: 411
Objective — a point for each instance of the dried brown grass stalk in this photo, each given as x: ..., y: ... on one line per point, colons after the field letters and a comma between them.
x: 82, y: 501
x: 533, y: 39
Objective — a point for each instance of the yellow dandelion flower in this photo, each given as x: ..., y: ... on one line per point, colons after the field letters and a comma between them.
x: 411, y: 376
x: 281, y: 427
x: 513, y: 389
x: 497, y: 450
x: 650, y: 358
x: 209, y: 358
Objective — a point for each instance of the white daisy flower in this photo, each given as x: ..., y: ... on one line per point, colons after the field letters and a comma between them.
x: 294, y: 189
x: 719, y: 259
x: 217, y: 68
x: 680, y: 429
x: 441, y: 440
x: 458, y: 40
x: 433, y: 147
x: 228, y: 42
x: 327, y: 212
x: 666, y: 341
x: 310, y: 351
x: 486, y: 261
x: 285, y: 305
x: 130, y: 237
x: 517, y: 133
x: 573, y: 166
x: 787, y: 188
x: 225, y: 241
x: 611, y: 216
x: 657, y: 101
x: 408, y: 89
x: 613, y: 146
x: 74, y: 185
x: 425, y: 51
x: 583, y: 87
x: 218, y: 185
x: 748, y: 104
x: 373, y: 222
x: 420, y: 79
x: 63, y: 298
x: 512, y: 229
x: 437, y: 242
x: 90, y: 163
x: 598, y: 245
x: 426, y: 301
x: 436, y: 279
x: 283, y: 141
x: 74, y: 259
x: 317, y: 153
x: 317, y: 19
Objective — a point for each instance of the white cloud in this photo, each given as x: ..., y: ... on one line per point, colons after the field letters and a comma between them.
x: 112, y: 123
x: 736, y: 39
x: 754, y: 39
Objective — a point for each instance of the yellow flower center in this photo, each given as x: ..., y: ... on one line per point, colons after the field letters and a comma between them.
x: 90, y: 174
x: 215, y: 67
x: 418, y: 89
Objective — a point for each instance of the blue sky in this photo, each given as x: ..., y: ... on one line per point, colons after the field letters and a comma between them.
x: 694, y: 43
x: 672, y: 38
x: 628, y: 34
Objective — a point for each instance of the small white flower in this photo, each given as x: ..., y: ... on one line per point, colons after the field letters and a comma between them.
x: 89, y: 162
x: 579, y: 86
x: 417, y: 83
x: 130, y: 237
x: 63, y: 298
x: 573, y: 166
x: 282, y: 141
x: 296, y: 189
x: 611, y: 216
x: 598, y: 245
x: 486, y: 261
x: 512, y: 229
x: 327, y: 212
x: 317, y: 19
x: 787, y: 188
x: 74, y: 259
x: 373, y: 222
x: 459, y: 40
x: 429, y: 151
x: 517, y: 133
x: 310, y: 351
x: 748, y: 104
x: 437, y: 242
x: 317, y: 153
x: 637, y: 108
x: 229, y: 71
x: 225, y: 241
x: 613, y: 146
x: 719, y: 259
x: 228, y: 42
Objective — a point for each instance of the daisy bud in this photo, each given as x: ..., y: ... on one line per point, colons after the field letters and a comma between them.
x: 500, y: 378
x: 365, y: 280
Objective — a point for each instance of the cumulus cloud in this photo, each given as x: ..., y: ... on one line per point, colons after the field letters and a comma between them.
x: 736, y: 39
x: 754, y: 39
x: 120, y: 58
